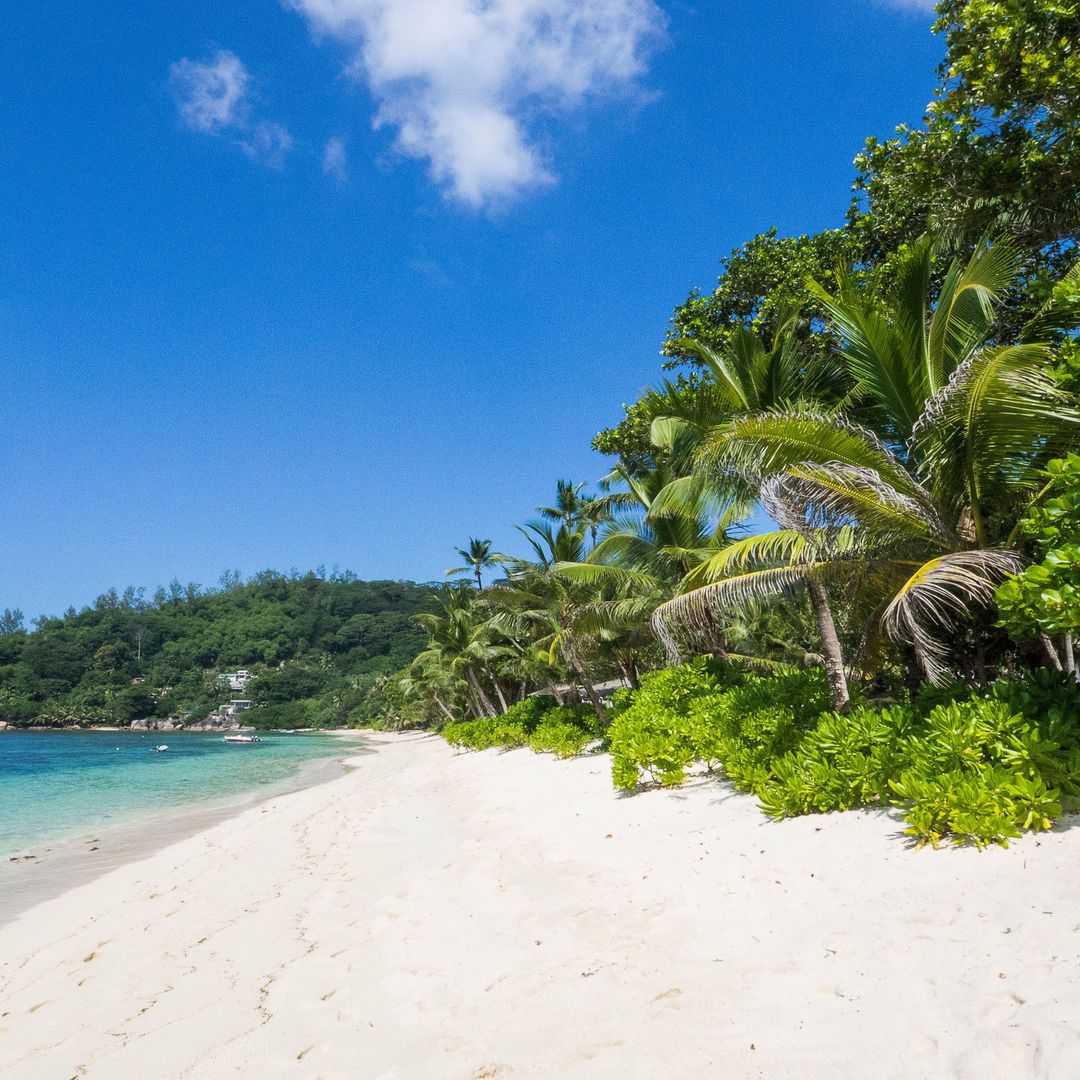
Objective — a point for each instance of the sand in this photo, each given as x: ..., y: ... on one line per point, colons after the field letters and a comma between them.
x: 443, y: 915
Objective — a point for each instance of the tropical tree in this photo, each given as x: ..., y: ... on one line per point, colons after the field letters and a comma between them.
x: 568, y: 503
x: 661, y: 527
x: 476, y: 558
x: 464, y: 642
x: 913, y: 526
x: 540, y: 602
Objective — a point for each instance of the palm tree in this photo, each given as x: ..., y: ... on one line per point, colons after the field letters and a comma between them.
x: 573, y: 508
x: 664, y: 527
x: 748, y: 374
x: 568, y: 503
x: 593, y: 513
x: 914, y: 526
x: 463, y: 641
x: 539, y: 602
x: 476, y: 558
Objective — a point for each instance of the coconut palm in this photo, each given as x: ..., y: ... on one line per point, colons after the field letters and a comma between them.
x: 748, y: 374
x: 661, y: 527
x: 539, y: 602
x: 462, y: 640
x: 913, y: 527
x: 476, y: 558
x: 568, y: 503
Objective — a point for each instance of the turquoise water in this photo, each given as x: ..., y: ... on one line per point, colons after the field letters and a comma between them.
x: 58, y: 785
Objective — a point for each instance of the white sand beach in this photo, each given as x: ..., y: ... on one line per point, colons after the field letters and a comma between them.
x: 445, y: 915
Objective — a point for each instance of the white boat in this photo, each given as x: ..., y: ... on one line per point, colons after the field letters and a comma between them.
x: 159, y: 749
x: 242, y: 738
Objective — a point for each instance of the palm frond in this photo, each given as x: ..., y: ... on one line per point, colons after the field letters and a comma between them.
x: 767, y: 443
x: 833, y: 495
x: 990, y: 430
x: 965, y: 307
x: 937, y: 593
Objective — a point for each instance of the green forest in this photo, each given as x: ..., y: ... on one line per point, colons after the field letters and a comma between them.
x: 900, y: 396
x: 316, y: 645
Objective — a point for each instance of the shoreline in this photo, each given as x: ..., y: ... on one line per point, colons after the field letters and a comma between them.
x: 55, y: 867
x: 457, y: 916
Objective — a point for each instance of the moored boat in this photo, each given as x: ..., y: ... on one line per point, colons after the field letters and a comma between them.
x: 242, y: 738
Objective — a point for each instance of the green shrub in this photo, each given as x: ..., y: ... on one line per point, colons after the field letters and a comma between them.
x: 537, y: 722
x: 982, y: 773
x: 566, y: 731
x: 976, y: 771
x: 653, y: 733
x: 486, y: 733
x: 845, y: 761
x: 530, y: 712
x: 696, y: 714
x: 1052, y: 698
x: 974, y: 768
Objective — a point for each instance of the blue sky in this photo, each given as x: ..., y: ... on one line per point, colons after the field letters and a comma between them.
x: 344, y: 282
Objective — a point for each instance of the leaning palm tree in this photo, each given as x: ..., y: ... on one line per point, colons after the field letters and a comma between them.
x: 462, y: 640
x: 539, y: 602
x: 476, y: 558
x: 914, y: 527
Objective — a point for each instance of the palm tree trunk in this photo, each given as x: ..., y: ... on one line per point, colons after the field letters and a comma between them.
x: 498, y: 688
x: 593, y: 696
x: 479, y: 579
x: 556, y: 694
x: 586, y: 685
x: 1070, y: 660
x: 478, y: 690
x: 830, y: 645
x: 1051, y: 652
x: 446, y: 712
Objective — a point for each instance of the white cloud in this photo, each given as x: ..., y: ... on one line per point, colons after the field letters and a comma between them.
x: 211, y: 95
x: 460, y: 80
x: 268, y: 143
x: 335, y: 160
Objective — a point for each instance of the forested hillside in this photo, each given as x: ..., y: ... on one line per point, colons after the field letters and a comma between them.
x: 316, y: 644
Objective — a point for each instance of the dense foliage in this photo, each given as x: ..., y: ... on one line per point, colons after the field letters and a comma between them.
x: 980, y: 768
x: 317, y: 646
x: 538, y: 722
x: 1045, y: 598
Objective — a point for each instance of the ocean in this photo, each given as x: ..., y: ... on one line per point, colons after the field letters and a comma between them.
x: 56, y: 786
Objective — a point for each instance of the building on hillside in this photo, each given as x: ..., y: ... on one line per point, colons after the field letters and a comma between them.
x: 235, y: 680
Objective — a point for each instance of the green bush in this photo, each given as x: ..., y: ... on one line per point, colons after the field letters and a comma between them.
x: 977, y: 771
x: 566, y: 731
x: 845, y: 761
x: 653, y: 733
x: 531, y: 712
x: 486, y: 733
x: 974, y: 768
x: 537, y: 722
x: 696, y: 713
x: 981, y: 773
